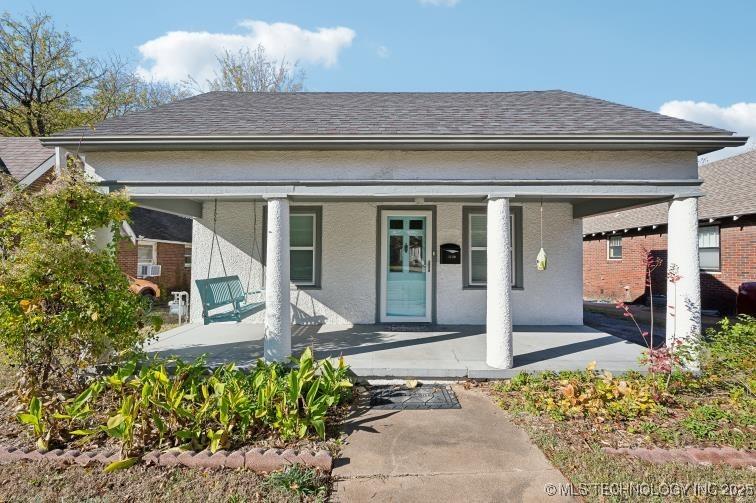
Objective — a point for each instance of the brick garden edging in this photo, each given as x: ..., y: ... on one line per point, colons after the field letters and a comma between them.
x: 255, y: 459
x: 707, y: 456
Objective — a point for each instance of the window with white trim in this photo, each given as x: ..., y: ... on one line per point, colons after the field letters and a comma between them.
x: 477, y: 253
x: 146, y: 261
x: 708, y: 248
x: 614, y: 247
x: 302, y: 248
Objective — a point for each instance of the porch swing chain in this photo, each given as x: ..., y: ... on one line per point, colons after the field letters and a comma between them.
x: 255, y: 246
x: 212, y: 243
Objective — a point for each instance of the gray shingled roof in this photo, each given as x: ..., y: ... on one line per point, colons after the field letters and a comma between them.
x: 151, y: 224
x: 21, y: 156
x: 729, y: 188
x: 510, y: 113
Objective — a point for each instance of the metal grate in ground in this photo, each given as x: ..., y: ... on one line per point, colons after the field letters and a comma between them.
x: 428, y: 396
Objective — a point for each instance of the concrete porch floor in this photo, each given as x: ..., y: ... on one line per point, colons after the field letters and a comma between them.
x: 384, y: 351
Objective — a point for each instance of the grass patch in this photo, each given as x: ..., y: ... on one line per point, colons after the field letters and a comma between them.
x: 597, y: 476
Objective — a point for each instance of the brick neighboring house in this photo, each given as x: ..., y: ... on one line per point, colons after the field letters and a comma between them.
x: 614, y: 245
x: 159, y: 249
x: 159, y: 244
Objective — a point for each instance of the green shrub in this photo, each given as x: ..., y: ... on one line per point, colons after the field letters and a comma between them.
x: 64, y: 304
x: 729, y: 356
x: 168, y: 403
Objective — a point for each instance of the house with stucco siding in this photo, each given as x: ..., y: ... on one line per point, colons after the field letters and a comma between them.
x: 401, y: 209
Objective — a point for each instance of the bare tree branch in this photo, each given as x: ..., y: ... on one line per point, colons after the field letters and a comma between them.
x: 252, y: 71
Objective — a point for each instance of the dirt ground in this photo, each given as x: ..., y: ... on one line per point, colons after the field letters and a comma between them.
x: 43, y: 482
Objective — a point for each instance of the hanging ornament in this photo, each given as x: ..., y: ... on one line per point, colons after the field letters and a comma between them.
x: 541, y: 261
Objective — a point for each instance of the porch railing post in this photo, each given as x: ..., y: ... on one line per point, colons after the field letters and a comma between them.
x: 277, y: 291
x: 499, y: 285
x: 683, y: 271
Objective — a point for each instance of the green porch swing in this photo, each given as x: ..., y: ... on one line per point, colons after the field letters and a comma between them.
x: 224, y: 291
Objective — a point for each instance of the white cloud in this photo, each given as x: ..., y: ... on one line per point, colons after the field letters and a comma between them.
x: 739, y: 117
x: 440, y: 3
x: 178, y: 54
x: 383, y: 52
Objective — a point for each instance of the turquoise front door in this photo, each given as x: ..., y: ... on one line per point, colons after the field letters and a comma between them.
x: 406, y: 267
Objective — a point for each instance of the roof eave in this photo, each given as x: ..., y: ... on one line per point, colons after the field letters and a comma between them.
x: 701, y: 143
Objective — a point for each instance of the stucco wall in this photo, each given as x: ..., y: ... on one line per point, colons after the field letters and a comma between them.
x: 380, y: 165
x: 348, y: 290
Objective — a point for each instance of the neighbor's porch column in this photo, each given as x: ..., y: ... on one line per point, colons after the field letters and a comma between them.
x: 277, y: 299
x: 499, y: 285
x: 683, y: 273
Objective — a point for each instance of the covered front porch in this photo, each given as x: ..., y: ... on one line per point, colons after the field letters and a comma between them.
x: 443, y: 239
x: 423, y: 351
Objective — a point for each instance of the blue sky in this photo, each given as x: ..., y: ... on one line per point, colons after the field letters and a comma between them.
x: 699, y: 55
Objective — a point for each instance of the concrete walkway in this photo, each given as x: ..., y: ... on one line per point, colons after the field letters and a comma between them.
x: 469, y: 454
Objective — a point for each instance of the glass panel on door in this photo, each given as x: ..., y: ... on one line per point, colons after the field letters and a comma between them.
x: 407, y: 271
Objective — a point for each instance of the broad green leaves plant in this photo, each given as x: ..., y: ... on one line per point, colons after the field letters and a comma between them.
x: 34, y: 417
x: 159, y: 404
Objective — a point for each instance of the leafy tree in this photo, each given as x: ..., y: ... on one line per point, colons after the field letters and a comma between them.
x: 252, y: 71
x: 42, y: 77
x: 64, y: 305
x: 45, y: 86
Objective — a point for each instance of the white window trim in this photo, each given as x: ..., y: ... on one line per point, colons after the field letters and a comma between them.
x: 152, y: 262
x: 312, y: 248
x: 609, y: 248
x: 512, y: 238
x: 718, y: 248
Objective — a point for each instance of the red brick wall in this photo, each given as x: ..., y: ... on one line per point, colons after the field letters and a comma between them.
x: 624, y: 279
x: 126, y: 256
x: 170, y: 256
x: 173, y: 274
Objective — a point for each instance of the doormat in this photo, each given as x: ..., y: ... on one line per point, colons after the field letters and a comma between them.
x: 395, y: 327
x: 428, y: 396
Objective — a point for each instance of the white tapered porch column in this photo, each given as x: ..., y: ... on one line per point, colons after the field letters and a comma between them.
x: 683, y: 272
x: 499, y: 285
x: 277, y: 300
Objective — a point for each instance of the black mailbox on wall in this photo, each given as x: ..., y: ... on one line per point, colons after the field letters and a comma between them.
x: 451, y: 254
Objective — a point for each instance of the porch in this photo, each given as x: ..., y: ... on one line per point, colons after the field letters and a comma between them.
x: 426, y: 351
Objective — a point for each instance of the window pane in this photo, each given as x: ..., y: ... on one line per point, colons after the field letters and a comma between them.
x: 396, y: 224
x: 708, y: 237
x: 615, y: 247
x: 416, y: 224
x: 416, y: 254
x: 477, y: 230
x: 709, y: 258
x: 395, y: 253
x: 301, y: 266
x: 145, y: 254
x: 301, y: 230
x: 478, y: 266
